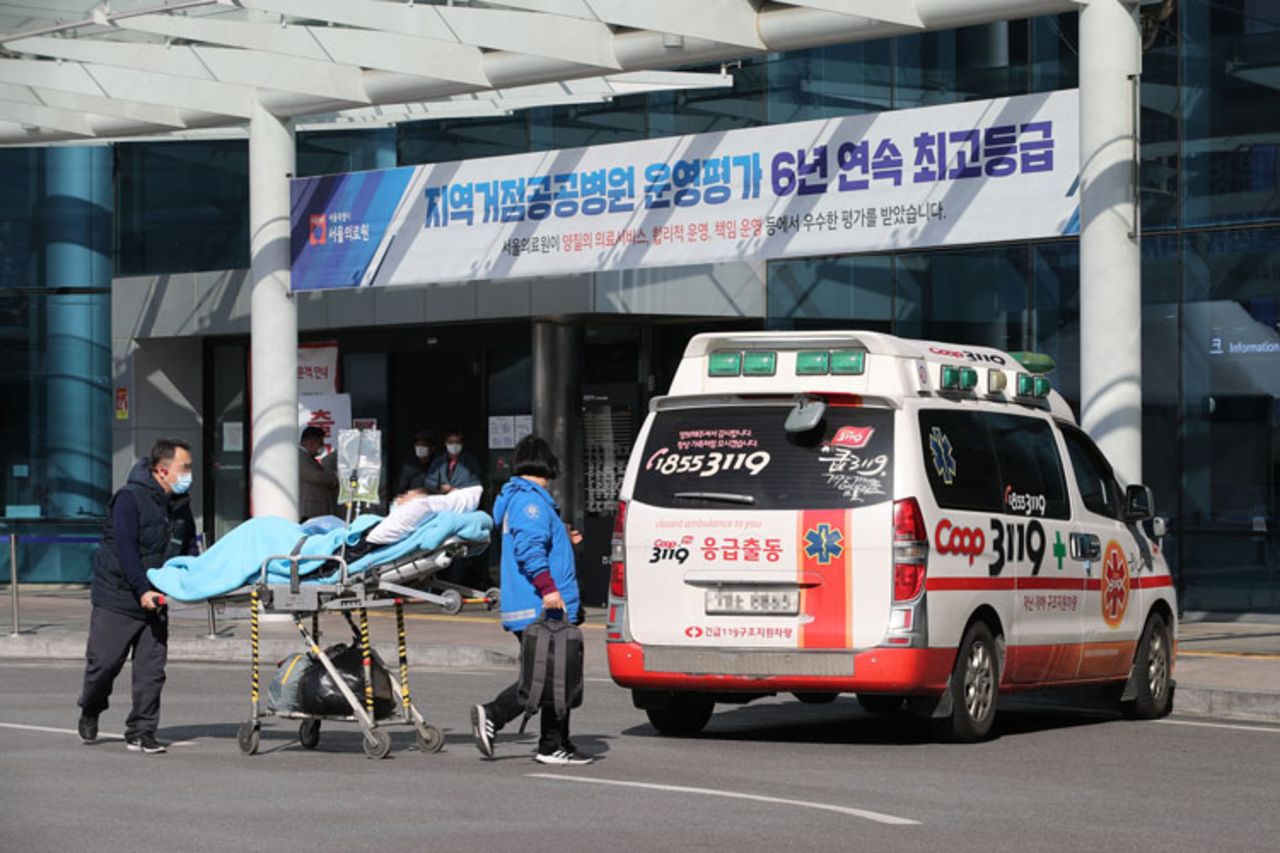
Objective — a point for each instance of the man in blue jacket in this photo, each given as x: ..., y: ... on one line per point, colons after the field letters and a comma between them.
x: 538, y: 575
x: 148, y: 521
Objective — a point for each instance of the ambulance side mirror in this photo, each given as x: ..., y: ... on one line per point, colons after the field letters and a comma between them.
x: 1139, y: 505
x: 806, y: 415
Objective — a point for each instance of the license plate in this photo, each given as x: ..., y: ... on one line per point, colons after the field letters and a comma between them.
x: 741, y: 602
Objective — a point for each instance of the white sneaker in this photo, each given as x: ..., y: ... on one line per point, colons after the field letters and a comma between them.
x: 563, y: 758
x: 482, y: 730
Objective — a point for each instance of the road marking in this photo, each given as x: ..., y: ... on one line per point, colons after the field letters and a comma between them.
x: 1245, y: 655
x: 878, y: 817
x: 1240, y: 728
x: 101, y: 735
x: 479, y: 620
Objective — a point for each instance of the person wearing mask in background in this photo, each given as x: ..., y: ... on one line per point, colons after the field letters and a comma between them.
x: 148, y: 521
x: 317, y: 478
x: 538, y: 575
x: 413, y: 474
x: 456, y: 469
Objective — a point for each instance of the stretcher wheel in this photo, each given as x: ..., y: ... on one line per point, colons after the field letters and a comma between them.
x: 248, y: 738
x: 377, y: 743
x: 309, y: 734
x: 494, y: 594
x: 430, y: 738
x: 452, y: 602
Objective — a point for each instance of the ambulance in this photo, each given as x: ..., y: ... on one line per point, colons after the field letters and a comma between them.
x: 920, y: 524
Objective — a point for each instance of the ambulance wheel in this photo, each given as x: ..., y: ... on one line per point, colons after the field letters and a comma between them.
x: 248, y: 738
x: 1151, y: 673
x: 687, y: 715
x: 816, y: 698
x: 430, y: 738
x: 377, y: 743
x: 881, y: 703
x: 494, y: 596
x: 309, y: 734
x: 452, y: 602
x: 974, y: 686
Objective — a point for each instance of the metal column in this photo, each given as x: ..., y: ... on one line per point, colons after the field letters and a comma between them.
x: 1110, y: 254
x: 273, y: 320
x: 557, y: 406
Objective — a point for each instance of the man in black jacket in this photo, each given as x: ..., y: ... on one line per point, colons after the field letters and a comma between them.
x: 148, y: 521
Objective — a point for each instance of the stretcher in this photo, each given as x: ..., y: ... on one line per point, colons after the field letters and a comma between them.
x: 378, y: 586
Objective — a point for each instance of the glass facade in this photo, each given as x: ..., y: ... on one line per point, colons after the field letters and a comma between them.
x: 1210, y: 197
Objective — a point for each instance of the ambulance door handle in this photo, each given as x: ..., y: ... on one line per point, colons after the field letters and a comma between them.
x: 1085, y: 546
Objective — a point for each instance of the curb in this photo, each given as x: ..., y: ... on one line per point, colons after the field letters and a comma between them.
x: 1254, y: 705
x: 236, y: 651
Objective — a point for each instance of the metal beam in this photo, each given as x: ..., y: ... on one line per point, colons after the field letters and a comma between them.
x: 214, y: 64
x: 726, y: 21
x: 889, y: 11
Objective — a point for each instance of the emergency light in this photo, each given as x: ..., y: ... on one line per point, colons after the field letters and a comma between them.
x: 724, y: 364
x: 958, y: 378
x: 848, y: 362
x: 760, y: 364
x: 813, y: 363
x: 1034, y: 362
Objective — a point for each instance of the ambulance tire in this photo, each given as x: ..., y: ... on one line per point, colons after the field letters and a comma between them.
x: 881, y: 703
x: 974, y: 688
x: 687, y: 715
x: 1152, y: 667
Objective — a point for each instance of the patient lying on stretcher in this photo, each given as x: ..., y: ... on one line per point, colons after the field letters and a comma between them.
x: 406, y: 512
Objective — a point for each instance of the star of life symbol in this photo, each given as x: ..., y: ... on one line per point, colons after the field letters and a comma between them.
x: 944, y: 462
x: 823, y: 543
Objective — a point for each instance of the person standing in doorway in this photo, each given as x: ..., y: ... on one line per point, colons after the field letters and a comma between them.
x: 148, y: 521
x: 317, y: 478
x: 456, y: 469
x: 538, y: 575
x: 413, y: 474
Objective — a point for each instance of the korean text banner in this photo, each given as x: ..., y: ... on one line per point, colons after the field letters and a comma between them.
x: 977, y: 172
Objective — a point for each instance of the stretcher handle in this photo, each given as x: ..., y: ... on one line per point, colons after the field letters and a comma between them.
x: 295, y: 580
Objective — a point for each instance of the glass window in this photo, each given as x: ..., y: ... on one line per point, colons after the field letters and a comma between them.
x: 1230, y: 112
x: 827, y: 82
x: 330, y: 152
x: 742, y: 458
x: 967, y: 64
x: 1098, y: 488
x: 580, y: 125
x: 960, y: 460
x: 1161, y: 108
x: 971, y: 296
x: 810, y: 293
x: 1055, y: 52
x: 706, y: 110
x: 1029, y: 466
x: 182, y: 206
x: 461, y: 139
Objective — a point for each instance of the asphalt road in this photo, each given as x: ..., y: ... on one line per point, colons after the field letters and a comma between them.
x: 775, y: 775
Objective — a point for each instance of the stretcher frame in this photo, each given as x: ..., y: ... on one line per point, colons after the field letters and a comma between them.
x: 376, y: 587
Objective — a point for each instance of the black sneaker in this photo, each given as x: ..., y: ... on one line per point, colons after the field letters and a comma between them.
x: 564, y: 758
x: 145, y: 744
x: 88, y: 729
x: 482, y: 730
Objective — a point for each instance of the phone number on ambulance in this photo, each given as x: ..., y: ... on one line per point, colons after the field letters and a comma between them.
x: 707, y: 464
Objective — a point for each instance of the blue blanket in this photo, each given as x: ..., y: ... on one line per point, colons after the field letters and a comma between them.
x: 236, y: 559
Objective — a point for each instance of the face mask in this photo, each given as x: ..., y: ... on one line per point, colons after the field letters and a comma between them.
x: 422, y: 452
x: 183, y: 484
x: 454, y: 449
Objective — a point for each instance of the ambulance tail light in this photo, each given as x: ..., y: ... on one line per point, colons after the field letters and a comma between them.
x: 910, y: 550
x: 618, y: 554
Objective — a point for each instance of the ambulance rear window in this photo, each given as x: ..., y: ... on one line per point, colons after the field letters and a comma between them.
x: 992, y: 462
x: 742, y: 457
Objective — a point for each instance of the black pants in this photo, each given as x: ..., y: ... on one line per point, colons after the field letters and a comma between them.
x: 112, y: 637
x: 507, y: 707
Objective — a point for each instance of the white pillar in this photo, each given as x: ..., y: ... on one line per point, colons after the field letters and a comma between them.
x: 1110, y: 256
x: 273, y: 323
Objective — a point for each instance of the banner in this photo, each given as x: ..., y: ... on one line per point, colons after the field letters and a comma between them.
x: 318, y: 368
x: 983, y: 171
x: 330, y: 412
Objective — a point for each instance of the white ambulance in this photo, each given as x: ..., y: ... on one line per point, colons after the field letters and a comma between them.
x: 921, y: 524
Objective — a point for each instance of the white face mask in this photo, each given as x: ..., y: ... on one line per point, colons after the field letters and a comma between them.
x: 422, y: 452
x: 454, y: 449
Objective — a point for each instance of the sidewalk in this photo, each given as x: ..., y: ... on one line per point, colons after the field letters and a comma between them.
x: 1224, y: 669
